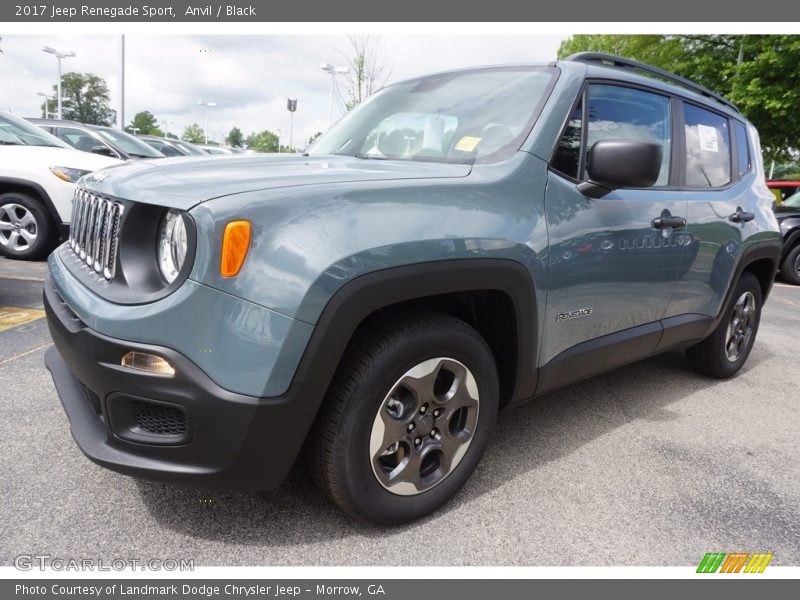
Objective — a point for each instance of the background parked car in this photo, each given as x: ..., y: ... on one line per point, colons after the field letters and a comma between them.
x: 788, y: 214
x: 172, y: 147
x: 98, y: 139
x: 783, y: 189
x: 220, y: 149
x: 37, y: 180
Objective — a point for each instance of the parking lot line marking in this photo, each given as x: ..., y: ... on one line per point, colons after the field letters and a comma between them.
x: 11, y: 316
x: 20, y: 355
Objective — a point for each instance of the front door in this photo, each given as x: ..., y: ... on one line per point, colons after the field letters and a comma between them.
x: 613, y: 262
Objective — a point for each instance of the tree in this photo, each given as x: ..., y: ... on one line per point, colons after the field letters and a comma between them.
x: 313, y: 138
x: 369, y: 70
x: 235, y: 138
x: 264, y: 141
x: 145, y: 123
x: 757, y: 72
x: 86, y: 99
x: 194, y: 134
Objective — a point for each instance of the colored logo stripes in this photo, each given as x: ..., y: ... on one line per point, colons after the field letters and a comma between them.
x: 734, y: 562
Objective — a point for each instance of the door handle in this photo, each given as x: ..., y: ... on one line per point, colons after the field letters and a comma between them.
x: 740, y: 216
x: 666, y: 220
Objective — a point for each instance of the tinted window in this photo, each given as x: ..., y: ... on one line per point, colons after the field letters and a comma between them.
x: 708, y: 148
x: 77, y: 138
x: 741, y: 148
x: 165, y: 149
x: 568, y: 153
x: 622, y: 113
x: 128, y: 144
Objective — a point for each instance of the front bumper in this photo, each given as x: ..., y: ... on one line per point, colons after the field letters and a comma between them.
x: 183, y: 429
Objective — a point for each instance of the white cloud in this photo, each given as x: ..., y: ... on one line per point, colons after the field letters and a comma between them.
x: 249, y: 77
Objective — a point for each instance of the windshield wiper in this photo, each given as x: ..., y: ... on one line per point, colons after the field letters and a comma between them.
x: 374, y: 157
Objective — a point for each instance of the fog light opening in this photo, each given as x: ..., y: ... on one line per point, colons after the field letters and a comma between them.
x: 149, y: 363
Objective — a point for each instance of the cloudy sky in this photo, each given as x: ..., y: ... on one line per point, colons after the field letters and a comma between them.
x: 248, y: 76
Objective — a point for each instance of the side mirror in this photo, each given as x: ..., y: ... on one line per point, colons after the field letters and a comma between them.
x: 104, y: 150
x: 614, y: 164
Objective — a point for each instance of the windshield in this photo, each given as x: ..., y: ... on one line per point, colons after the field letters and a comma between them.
x: 476, y: 116
x: 188, y: 148
x: 792, y: 201
x: 129, y: 144
x: 18, y: 132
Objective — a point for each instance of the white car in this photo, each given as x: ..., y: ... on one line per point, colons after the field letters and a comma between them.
x: 37, y: 180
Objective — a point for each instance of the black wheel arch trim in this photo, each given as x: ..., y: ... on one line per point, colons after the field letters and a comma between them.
x: 45, y: 197
x: 362, y: 296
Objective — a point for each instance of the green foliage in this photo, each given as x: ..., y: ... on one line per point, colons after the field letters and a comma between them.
x: 86, y: 99
x: 144, y: 123
x: 194, y: 134
x: 264, y: 141
x: 313, y: 138
x: 235, y: 138
x: 757, y: 72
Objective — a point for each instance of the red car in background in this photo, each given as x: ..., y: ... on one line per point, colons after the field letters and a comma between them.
x: 783, y: 189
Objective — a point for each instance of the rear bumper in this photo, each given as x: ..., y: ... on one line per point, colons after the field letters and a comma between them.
x: 183, y: 429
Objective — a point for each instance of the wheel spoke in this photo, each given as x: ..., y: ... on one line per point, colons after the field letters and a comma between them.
x: 13, y: 240
x: 6, y: 226
x: 29, y: 237
x: 10, y: 211
x: 27, y: 219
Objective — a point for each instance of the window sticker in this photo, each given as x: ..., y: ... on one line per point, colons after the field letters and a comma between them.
x: 467, y: 143
x: 708, y: 138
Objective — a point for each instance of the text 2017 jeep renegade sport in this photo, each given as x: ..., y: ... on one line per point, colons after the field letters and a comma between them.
x: 457, y: 243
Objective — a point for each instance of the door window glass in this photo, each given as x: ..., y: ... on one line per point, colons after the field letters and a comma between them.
x: 622, y: 113
x: 708, y: 148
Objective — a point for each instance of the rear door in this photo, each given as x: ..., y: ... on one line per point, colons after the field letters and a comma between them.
x: 718, y: 172
x: 610, y: 268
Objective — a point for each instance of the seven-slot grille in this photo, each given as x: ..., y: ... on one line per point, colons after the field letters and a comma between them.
x: 94, y: 233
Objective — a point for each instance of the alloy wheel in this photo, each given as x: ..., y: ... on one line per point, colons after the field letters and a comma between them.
x: 740, y: 328
x: 18, y: 227
x: 424, y: 426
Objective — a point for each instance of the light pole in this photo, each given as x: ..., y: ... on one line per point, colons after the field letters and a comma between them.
x: 291, y: 106
x: 279, y: 139
x: 207, y: 105
x: 59, y: 56
x: 47, y: 99
x: 333, y: 72
x: 166, y: 127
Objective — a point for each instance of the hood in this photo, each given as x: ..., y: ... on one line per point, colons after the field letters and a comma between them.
x: 184, y: 182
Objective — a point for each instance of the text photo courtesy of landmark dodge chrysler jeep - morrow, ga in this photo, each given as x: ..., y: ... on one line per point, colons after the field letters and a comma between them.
x: 458, y: 243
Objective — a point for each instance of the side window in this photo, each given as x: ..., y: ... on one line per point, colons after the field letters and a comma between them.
x: 742, y: 150
x: 708, y: 148
x: 622, y: 113
x: 568, y: 153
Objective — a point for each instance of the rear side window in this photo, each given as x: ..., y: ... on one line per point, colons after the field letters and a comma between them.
x: 742, y: 151
x: 708, y: 148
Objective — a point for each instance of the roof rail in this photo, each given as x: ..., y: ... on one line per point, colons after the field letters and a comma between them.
x: 626, y: 63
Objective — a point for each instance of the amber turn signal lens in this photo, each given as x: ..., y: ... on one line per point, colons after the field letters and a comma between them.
x: 235, y: 244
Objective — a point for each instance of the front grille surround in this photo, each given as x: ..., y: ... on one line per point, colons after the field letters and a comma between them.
x: 95, y: 230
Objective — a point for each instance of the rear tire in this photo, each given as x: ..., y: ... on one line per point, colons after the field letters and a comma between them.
x: 790, y: 267
x: 407, y: 418
x: 26, y: 230
x: 724, y: 352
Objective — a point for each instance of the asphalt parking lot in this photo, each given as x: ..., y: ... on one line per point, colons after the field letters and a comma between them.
x: 647, y: 465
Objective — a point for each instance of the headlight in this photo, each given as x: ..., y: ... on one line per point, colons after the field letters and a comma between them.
x: 67, y: 174
x: 172, y: 244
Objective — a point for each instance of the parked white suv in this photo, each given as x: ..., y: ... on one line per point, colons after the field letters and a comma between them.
x: 37, y: 179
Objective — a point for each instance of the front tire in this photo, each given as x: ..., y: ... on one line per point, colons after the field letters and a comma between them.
x: 725, y: 351
x: 407, y: 418
x: 790, y: 267
x: 26, y: 229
